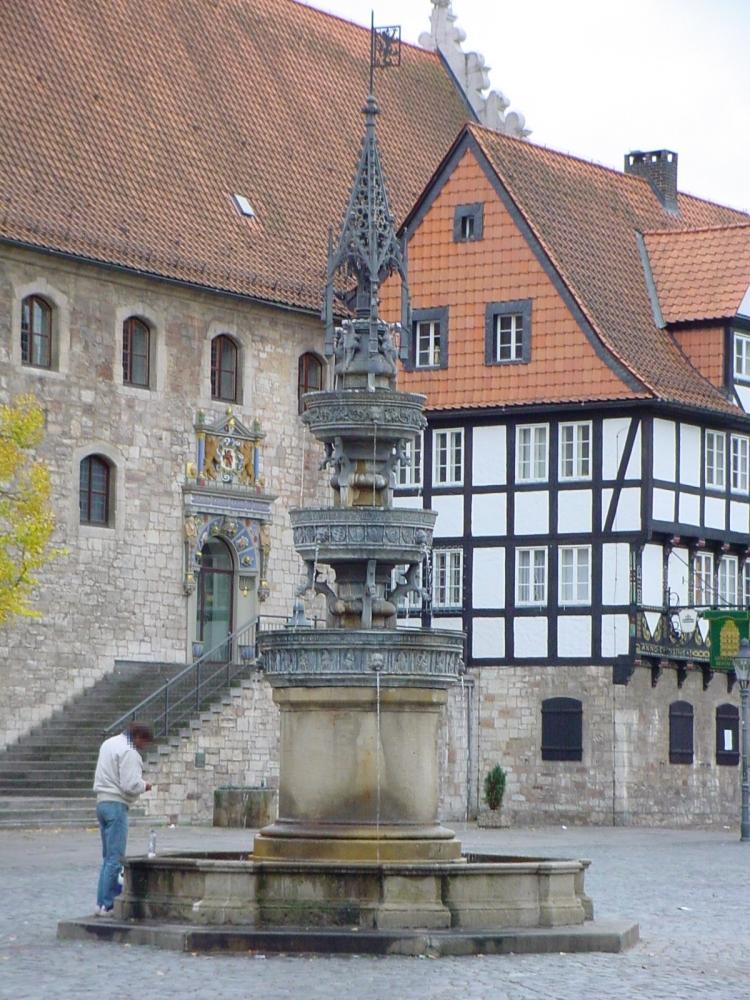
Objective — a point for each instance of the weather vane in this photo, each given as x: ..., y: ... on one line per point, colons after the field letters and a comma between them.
x: 385, y: 48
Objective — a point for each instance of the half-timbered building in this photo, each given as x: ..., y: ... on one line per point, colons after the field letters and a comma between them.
x: 583, y: 338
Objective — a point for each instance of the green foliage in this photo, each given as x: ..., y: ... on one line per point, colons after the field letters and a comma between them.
x: 26, y: 520
x: 494, y: 787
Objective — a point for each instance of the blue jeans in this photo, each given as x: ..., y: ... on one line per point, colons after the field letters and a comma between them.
x: 113, y: 826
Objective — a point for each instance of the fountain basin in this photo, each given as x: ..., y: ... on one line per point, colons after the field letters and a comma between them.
x: 484, y: 892
x: 384, y: 414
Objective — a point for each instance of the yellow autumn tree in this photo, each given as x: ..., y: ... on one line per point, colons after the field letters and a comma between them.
x: 26, y: 520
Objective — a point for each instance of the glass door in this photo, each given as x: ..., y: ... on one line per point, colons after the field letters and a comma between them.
x: 215, y: 599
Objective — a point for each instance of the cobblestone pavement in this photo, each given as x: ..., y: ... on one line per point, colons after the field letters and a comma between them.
x: 689, y: 890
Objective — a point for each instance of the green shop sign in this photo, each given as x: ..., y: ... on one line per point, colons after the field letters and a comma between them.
x: 725, y: 629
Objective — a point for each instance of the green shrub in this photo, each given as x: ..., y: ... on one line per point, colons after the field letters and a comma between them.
x: 494, y: 787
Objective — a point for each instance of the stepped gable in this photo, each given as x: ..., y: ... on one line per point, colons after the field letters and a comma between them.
x: 700, y: 274
x: 587, y: 219
x: 127, y: 135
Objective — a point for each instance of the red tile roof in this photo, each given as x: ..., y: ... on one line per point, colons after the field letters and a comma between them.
x: 700, y: 274
x: 586, y: 218
x: 129, y: 124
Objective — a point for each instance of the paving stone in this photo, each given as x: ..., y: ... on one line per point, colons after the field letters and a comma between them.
x: 688, y: 890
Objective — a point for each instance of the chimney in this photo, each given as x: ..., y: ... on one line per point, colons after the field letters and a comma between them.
x: 659, y: 168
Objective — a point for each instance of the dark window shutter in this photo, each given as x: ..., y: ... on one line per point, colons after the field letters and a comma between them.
x: 562, y: 729
x: 680, y: 732
x: 727, y: 735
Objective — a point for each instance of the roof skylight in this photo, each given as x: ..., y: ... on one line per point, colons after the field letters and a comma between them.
x: 244, y: 205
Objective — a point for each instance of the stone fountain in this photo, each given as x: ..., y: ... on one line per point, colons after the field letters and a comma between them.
x: 358, y: 851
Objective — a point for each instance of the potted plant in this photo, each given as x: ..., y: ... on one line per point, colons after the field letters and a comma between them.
x: 494, y: 789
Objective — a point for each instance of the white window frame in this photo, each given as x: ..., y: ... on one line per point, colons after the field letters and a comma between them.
x: 739, y: 459
x: 453, y: 467
x: 728, y: 579
x: 746, y: 583
x: 517, y: 334
x: 578, y: 464
x: 576, y: 590
x: 716, y: 460
x: 534, y: 467
x: 741, y: 354
x: 703, y: 579
x: 431, y: 356
x: 410, y: 471
x: 447, y: 579
x: 531, y: 592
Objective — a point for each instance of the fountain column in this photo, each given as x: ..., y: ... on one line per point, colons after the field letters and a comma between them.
x: 361, y: 700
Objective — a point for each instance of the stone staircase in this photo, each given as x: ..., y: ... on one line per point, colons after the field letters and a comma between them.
x: 46, y: 777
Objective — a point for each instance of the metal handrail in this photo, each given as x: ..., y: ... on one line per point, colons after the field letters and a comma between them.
x: 182, y: 695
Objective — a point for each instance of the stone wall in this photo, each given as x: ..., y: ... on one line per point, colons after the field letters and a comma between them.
x: 236, y: 744
x: 117, y: 592
x: 625, y: 777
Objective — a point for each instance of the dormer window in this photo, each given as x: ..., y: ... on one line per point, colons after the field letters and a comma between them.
x: 507, y: 332
x: 468, y: 222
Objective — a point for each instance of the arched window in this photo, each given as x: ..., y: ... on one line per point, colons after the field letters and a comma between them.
x: 36, y: 332
x: 224, y: 365
x: 136, y: 348
x: 562, y: 729
x: 95, y: 490
x: 680, y: 732
x: 727, y: 734
x: 309, y: 376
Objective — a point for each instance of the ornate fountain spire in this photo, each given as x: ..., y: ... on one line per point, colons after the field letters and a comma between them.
x: 368, y: 248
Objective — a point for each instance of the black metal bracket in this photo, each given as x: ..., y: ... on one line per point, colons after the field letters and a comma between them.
x: 681, y: 674
x: 622, y: 669
x: 707, y: 675
x: 655, y: 673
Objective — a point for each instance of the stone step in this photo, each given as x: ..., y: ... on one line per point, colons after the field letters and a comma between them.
x: 24, y: 812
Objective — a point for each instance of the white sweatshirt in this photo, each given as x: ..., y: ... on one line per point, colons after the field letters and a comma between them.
x: 119, y: 771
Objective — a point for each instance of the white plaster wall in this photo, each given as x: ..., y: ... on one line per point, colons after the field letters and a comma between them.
x: 663, y: 505
x: 409, y: 502
x: 452, y: 624
x: 532, y: 513
x: 488, y: 638
x: 715, y: 512
x: 628, y: 512
x: 677, y: 574
x: 690, y: 455
x: 574, y: 635
x: 450, y: 511
x: 488, y: 578
x: 574, y: 510
x: 738, y: 516
x: 488, y: 463
x: 489, y: 514
x: 652, y: 574
x: 665, y: 451
x: 615, y: 637
x: 615, y: 573
x: 614, y: 435
x: 689, y: 509
x: 530, y: 637
x: 743, y: 394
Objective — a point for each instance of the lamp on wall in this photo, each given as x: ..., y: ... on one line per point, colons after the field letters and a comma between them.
x: 245, y: 585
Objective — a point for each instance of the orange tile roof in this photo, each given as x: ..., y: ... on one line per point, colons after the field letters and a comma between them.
x: 129, y: 124
x: 586, y: 218
x: 700, y: 274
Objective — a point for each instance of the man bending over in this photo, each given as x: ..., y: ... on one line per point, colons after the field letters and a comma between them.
x: 118, y: 782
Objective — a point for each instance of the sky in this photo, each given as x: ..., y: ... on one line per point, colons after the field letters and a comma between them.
x: 598, y: 78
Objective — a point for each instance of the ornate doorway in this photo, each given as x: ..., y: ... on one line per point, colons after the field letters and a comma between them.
x: 215, y: 604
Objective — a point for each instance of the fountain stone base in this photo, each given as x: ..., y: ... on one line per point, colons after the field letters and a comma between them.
x: 483, y: 892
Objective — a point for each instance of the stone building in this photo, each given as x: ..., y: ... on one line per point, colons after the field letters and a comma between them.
x: 168, y: 174
x: 582, y: 337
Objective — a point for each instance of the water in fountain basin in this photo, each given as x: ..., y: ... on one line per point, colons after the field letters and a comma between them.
x: 377, y: 764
